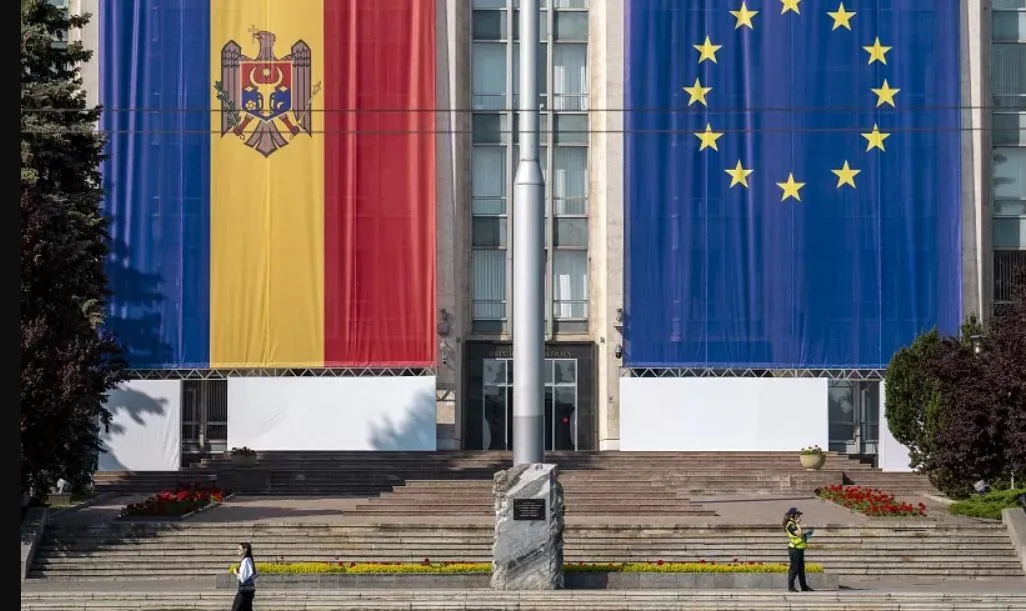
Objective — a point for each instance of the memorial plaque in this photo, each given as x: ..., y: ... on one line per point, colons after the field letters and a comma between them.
x: 528, y: 509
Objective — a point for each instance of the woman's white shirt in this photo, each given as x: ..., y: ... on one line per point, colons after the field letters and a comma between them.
x: 246, y: 570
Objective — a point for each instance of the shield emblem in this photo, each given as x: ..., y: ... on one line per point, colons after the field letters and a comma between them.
x: 266, y: 89
x: 263, y: 96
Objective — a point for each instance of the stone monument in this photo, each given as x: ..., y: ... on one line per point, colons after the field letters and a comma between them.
x: 528, y: 550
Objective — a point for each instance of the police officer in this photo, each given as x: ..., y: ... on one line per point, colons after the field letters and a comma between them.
x: 797, y: 541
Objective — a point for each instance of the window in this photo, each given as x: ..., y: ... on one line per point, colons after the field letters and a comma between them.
x: 488, y: 25
x: 563, y: 134
x: 571, y: 26
x: 60, y: 39
x: 488, y: 75
x: 1009, y: 266
x: 1008, y: 75
x: 1009, y: 128
x: 488, y: 283
x: 569, y: 185
x: 488, y: 232
x: 570, y: 284
x: 542, y: 83
x: 1009, y: 192
x: 570, y: 76
x: 1008, y: 122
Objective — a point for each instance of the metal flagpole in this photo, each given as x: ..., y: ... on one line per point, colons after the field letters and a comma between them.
x: 528, y: 258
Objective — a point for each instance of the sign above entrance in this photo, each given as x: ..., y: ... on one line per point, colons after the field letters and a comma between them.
x: 507, y: 353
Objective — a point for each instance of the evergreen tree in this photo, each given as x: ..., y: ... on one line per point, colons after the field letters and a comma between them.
x: 68, y: 363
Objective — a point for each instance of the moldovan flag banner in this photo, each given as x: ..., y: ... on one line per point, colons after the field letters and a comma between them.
x: 271, y: 181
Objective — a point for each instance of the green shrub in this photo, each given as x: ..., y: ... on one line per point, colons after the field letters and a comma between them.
x: 470, y: 568
x: 988, y: 505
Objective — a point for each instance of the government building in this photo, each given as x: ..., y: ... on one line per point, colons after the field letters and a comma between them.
x: 311, y: 208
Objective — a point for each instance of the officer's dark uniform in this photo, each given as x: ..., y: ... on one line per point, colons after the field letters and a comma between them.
x: 796, y: 544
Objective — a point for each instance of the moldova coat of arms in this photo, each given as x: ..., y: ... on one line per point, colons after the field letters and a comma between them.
x: 265, y: 95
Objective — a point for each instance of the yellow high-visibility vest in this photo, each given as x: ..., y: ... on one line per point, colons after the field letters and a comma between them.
x: 795, y: 541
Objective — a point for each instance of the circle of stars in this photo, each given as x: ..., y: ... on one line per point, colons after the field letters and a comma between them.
x: 885, y: 94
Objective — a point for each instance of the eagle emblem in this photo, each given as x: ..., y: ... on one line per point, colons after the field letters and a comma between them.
x: 263, y: 96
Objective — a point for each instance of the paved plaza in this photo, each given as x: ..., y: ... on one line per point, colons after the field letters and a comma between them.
x: 749, y: 511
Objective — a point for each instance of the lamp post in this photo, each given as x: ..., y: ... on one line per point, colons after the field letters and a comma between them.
x: 977, y: 342
x: 528, y: 257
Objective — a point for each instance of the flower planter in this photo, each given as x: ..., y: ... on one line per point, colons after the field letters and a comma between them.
x: 240, y: 460
x: 59, y: 499
x: 813, y: 462
x: 172, y: 505
x: 870, y: 502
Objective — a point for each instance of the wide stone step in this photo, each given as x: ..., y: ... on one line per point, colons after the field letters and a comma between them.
x: 412, y: 467
x: 588, y: 497
x: 443, y: 600
x: 791, y: 463
x: 584, y: 510
x: 695, y: 548
x: 920, y: 532
x: 484, y: 554
x: 472, y: 549
x: 487, y: 474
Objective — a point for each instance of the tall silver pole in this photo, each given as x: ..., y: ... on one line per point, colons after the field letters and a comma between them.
x: 528, y: 258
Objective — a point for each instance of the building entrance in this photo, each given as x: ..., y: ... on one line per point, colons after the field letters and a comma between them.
x: 560, y: 404
x: 854, y: 414
x: 488, y: 405
x: 204, y: 419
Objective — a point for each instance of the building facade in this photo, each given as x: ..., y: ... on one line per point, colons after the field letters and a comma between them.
x: 596, y: 399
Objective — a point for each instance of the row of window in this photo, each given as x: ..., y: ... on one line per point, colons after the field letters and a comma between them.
x: 563, y: 89
x: 1008, y: 134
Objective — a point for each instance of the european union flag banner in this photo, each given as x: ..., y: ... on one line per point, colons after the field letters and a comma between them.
x: 792, y: 180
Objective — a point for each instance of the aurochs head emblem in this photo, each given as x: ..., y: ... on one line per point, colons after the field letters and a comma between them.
x: 264, y: 95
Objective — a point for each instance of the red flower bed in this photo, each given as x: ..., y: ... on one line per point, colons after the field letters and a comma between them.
x: 870, y: 501
x: 184, y: 499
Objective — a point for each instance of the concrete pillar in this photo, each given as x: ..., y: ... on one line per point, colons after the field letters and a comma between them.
x: 606, y: 99
x: 452, y: 159
x: 977, y: 258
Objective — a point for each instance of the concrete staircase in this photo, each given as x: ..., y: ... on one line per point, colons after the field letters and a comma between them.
x: 368, y: 474
x: 466, y: 600
x: 191, y: 550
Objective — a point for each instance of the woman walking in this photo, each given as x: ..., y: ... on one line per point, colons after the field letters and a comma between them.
x: 247, y: 579
x: 797, y: 541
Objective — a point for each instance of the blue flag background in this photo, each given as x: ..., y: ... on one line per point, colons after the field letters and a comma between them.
x: 732, y: 276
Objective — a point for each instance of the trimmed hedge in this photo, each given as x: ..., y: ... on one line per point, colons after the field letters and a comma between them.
x: 989, y: 505
x: 468, y: 568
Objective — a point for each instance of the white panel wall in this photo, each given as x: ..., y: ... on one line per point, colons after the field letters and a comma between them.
x: 332, y: 413
x: 891, y: 455
x: 146, y: 433
x: 722, y: 414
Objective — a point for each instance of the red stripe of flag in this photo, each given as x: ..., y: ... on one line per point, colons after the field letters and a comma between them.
x: 379, y: 284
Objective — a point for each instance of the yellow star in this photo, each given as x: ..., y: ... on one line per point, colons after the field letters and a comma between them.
x: 697, y: 93
x: 885, y: 95
x: 790, y: 5
x: 877, y: 52
x: 846, y: 175
x: 842, y: 18
x: 790, y: 188
x: 739, y: 175
x: 744, y: 17
x: 876, y: 139
x: 707, y: 50
x: 708, y: 138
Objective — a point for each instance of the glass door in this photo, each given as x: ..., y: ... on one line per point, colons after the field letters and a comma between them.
x: 854, y: 417
x: 204, y: 419
x: 560, y: 404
